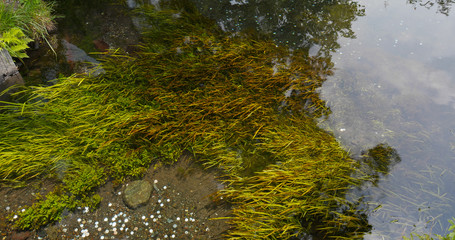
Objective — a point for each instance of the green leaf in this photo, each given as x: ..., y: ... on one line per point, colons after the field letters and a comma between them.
x: 15, y: 42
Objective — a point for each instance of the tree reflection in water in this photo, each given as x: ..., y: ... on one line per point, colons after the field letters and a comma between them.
x: 442, y: 5
x: 298, y: 24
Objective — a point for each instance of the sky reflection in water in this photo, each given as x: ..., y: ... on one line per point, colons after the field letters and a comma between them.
x: 395, y: 83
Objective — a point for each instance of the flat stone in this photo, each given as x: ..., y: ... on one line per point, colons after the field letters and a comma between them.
x: 137, y: 193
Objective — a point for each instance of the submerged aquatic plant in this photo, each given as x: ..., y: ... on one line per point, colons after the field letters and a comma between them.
x: 238, y: 103
x: 449, y: 236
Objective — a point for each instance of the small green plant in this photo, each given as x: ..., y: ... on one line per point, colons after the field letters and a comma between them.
x: 33, y: 19
x: 448, y: 236
x: 50, y: 208
x: 15, y: 42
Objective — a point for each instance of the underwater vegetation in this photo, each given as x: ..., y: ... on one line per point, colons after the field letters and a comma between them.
x: 238, y: 103
x: 448, y: 236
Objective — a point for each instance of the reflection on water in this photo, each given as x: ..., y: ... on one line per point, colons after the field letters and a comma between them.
x: 442, y: 6
x: 299, y: 24
x: 395, y: 84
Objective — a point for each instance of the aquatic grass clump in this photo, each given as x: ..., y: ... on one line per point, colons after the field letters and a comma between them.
x: 302, y: 193
x: 67, y: 132
x: 239, y: 103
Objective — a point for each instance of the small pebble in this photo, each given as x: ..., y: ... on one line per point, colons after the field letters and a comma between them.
x: 164, y: 187
x: 156, y: 181
x: 126, y: 220
x: 78, y: 220
x: 173, y: 236
x: 178, y: 218
x: 110, y: 204
x: 7, y: 208
x: 174, y: 226
x: 106, y: 219
x: 161, y: 205
x: 143, y: 217
x: 132, y: 232
x: 168, y: 200
x: 102, y: 237
x: 151, y: 231
x: 158, y: 212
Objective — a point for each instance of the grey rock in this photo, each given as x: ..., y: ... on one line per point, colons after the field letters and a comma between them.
x: 9, y: 75
x: 137, y: 193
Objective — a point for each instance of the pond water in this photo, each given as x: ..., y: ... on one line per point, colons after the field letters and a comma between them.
x: 393, y: 83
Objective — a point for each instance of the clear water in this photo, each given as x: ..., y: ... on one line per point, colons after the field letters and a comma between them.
x: 394, y: 83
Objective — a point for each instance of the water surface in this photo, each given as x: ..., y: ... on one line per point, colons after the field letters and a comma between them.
x: 395, y: 83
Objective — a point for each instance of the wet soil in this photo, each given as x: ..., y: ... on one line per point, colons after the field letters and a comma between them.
x: 183, y: 205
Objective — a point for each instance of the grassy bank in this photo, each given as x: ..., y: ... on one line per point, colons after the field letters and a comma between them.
x: 23, y: 21
x: 190, y: 87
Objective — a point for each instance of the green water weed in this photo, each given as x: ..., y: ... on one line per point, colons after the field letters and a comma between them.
x: 194, y: 89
